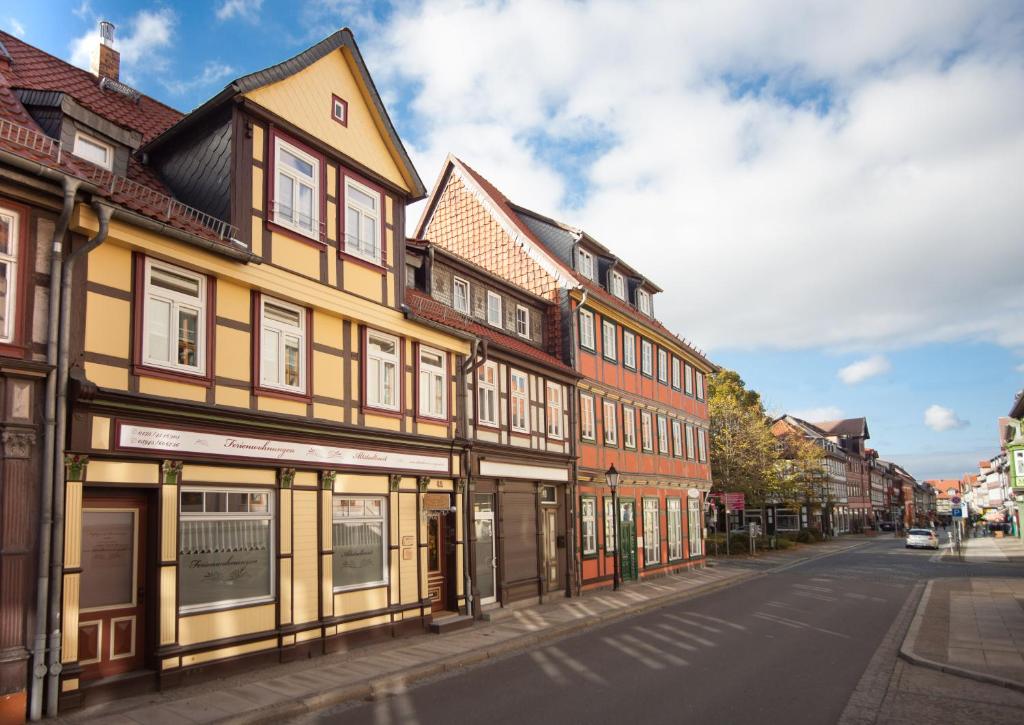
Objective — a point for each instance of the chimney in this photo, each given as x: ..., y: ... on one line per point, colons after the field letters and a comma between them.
x: 107, y: 64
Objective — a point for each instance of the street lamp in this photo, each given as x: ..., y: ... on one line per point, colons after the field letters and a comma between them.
x: 611, y: 476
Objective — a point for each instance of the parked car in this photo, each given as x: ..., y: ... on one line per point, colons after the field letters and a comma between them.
x: 922, y: 539
x: 887, y: 526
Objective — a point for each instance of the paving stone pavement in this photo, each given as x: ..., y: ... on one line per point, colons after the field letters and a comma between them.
x: 274, y: 693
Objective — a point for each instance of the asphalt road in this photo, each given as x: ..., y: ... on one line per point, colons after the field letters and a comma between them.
x: 788, y: 647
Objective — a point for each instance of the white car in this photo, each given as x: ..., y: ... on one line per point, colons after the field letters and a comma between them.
x: 922, y: 539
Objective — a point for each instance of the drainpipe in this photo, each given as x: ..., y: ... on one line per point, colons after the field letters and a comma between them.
x: 472, y: 607
x: 103, y: 213
x: 577, y: 564
x: 46, y: 480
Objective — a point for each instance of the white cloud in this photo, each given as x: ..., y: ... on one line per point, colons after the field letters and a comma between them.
x: 813, y: 415
x: 861, y: 370
x: 770, y: 218
x: 16, y: 27
x: 1020, y: 368
x: 147, y: 34
x: 83, y: 11
x: 940, y: 418
x: 246, y: 9
x: 211, y: 73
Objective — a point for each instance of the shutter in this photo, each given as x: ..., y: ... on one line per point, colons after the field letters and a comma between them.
x: 519, y: 527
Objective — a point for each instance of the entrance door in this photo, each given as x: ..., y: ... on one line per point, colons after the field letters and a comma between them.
x: 484, y: 553
x: 111, y: 620
x: 550, y: 553
x: 627, y: 539
x: 437, y: 559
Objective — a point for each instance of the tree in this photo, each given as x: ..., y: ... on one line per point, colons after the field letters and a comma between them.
x: 803, y: 475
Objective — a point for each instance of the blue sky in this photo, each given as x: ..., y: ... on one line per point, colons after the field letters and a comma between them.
x: 815, y: 185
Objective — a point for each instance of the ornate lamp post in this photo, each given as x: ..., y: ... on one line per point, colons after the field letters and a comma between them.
x: 611, y: 476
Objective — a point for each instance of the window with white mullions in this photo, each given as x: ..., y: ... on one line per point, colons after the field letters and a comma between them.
x: 487, y: 394
x: 359, y: 541
x: 296, y: 189
x: 519, y: 402
x: 587, y: 425
x: 382, y: 371
x: 522, y: 322
x: 646, y: 358
x: 702, y: 446
x: 587, y: 330
x: 282, y: 346
x: 588, y: 525
x: 494, y: 309
x: 554, y: 412
x: 9, y: 229
x: 608, y: 419
x: 609, y: 524
x: 174, y: 334
x: 608, y: 339
x: 677, y: 439
x: 460, y: 295
x: 662, y: 434
x: 629, y: 426
x: 689, y: 443
x: 628, y: 349
x: 652, y: 532
x: 362, y: 221
x: 675, y: 528
x: 646, y: 431
x: 432, y: 383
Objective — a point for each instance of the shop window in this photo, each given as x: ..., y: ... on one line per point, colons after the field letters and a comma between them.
x: 382, y: 362
x: 225, y: 549
x: 433, y: 386
x: 9, y: 231
x: 174, y: 335
x: 587, y: 330
x: 587, y: 425
x: 487, y: 394
x: 646, y: 431
x: 282, y: 346
x: 695, y: 526
x: 359, y: 541
x: 554, y: 397
x: 628, y: 349
x: 588, y: 525
x: 675, y: 528
x: 460, y: 295
x: 296, y: 189
x: 609, y: 524
x: 629, y: 426
x: 362, y: 221
x: 652, y: 532
x: 520, y: 399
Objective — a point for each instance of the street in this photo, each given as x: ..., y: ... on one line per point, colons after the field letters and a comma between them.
x: 790, y: 647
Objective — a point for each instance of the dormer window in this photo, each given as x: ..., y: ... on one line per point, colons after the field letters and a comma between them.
x: 617, y: 285
x: 643, y: 301
x: 493, y: 309
x: 93, y: 150
x: 586, y: 264
x: 339, y: 110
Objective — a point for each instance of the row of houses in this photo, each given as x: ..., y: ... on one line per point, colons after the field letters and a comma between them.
x: 246, y: 419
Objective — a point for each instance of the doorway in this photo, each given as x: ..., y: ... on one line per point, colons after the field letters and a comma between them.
x: 440, y: 549
x: 549, y: 555
x: 484, y: 550
x: 627, y: 539
x: 112, y: 620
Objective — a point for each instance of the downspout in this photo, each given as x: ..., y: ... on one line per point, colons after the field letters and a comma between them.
x: 461, y: 427
x: 46, y: 481
x: 103, y: 213
x: 577, y: 564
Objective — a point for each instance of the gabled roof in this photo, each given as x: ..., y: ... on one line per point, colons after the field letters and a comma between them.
x: 853, y: 427
x: 1017, y: 411
x: 341, y: 39
x: 809, y: 429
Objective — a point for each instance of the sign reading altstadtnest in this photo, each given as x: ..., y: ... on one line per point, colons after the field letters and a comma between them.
x: 169, y: 440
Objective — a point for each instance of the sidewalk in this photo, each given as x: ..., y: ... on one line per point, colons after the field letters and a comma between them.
x: 278, y: 692
x: 991, y: 549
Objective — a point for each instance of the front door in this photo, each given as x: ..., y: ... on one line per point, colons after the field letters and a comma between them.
x: 550, y: 553
x: 111, y: 619
x: 484, y: 553
x: 437, y: 560
x: 627, y: 539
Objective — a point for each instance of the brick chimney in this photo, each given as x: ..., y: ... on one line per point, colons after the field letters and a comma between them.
x: 107, y: 63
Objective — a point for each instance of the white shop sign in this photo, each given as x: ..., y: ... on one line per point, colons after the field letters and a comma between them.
x: 169, y: 440
x: 522, y: 470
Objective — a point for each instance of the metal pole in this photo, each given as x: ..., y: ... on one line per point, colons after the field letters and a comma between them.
x: 618, y: 537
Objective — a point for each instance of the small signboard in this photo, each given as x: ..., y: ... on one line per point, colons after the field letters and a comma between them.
x: 734, y: 501
x: 436, y: 502
x: 958, y: 513
x: 955, y: 499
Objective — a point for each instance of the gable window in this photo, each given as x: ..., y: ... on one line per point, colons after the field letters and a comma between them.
x: 643, y: 301
x: 433, y: 377
x: 382, y: 370
x: 702, y: 445
x: 608, y: 339
x: 588, y: 525
x: 360, y: 544
x: 520, y: 402
x: 586, y: 264
x: 522, y: 322
x: 493, y: 309
x: 689, y: 379
x: 677, y: 439
x: 700, y: 385
x: 629, y: 426
x: 362, y: 221
x: 676, y: 378
x: 646, y: 431
x: 175, y: 318
x: 93, y: 150
x: 628, y: 349
x: 652, y: 532
x: 282, y: 346
x: 487, y: 394
x: 611, y: 433
x: 296, y: 189
x: 689, y: 443
x: 587, y: 330
x: 460, y: 295
x: 9, y: 231
x: 675, y: 528
x: 586, y: 417
x: 554, y: 395
x: 617, y: 285
x: 662, y: 366
x: 339, y: 110
x: 609, y: 524
x: 646, y: 358
x: 662, y: 434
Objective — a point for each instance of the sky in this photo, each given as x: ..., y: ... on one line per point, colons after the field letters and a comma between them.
x: 830, y: 193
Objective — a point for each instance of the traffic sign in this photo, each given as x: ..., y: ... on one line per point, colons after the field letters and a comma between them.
x: 956, y: 499
x: 958, y: 513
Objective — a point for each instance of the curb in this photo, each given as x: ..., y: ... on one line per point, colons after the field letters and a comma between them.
x: 907, y: 652
x: 385, y: 685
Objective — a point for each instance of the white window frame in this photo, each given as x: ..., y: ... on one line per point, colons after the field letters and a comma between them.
x: 691, y: 450
x: 553, y: 404
x: 662, y: 434
x: 487, y: 390
x: 313, y: 182
x: 608, y: 346
x: 662, y: 366
x: 674, y: 517
x: 10, y: 260
x: 628, y: 349
x: 609, y: 419
x: 586, y: 261
x: 646, y: 431
x: 108, y: 161
x: 587, y: 331
x: 588, y: 525
x: 609, y: 524
x: 432, y: 379
x: 652, y: 531
x: 339, y: 111
x: 588, y: 426
x: 519, y: 401
x: 282, y: 329
x: 647, y: 357
x: 677, y: 439
x: 677, y: 382
x: 374, y: 397
x: 643, y: 301
x: 177, y: 301
x: 700, y: 385
x: 462, y: 284
x: 494, y: 321
x: 629, y: 427
x: 617, y: 284
x: 384, y: 520
x: 702, y: 445
x: 358, y: 247
x: 689, y: 380
x: 523, y: 322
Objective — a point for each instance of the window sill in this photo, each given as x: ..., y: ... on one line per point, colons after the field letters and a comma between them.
x: 438, y: 419
x: 203, y: 379
x: 265, y: 392
x: 358, y: 587
x: 609, y: 359
x: 297, y: 235
x: 192, y: 610
x: 387, y: 412
x: 362, y: 261
x: 485, y: 424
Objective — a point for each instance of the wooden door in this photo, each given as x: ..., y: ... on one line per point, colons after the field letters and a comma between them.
x: 437, y: 560
x: 111, y: 620
x: 550, y: 543
x: 627, y: 539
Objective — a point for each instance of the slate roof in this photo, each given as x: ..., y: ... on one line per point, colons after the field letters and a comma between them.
x: 855, y: 427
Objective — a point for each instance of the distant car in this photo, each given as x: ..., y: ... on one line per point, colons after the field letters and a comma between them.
x: 887, y: 526
x: 922, y: 539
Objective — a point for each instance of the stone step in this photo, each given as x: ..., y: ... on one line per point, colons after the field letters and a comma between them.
x: 451, y: 624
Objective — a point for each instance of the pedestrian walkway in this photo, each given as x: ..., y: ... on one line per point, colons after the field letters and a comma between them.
x: 986, y: 549
x: 282, y: 691
x: 973, y: 627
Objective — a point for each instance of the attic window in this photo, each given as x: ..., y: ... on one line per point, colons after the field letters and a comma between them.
x: 93, y: 150
x: 339, y: 110
x: 643, y: 301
